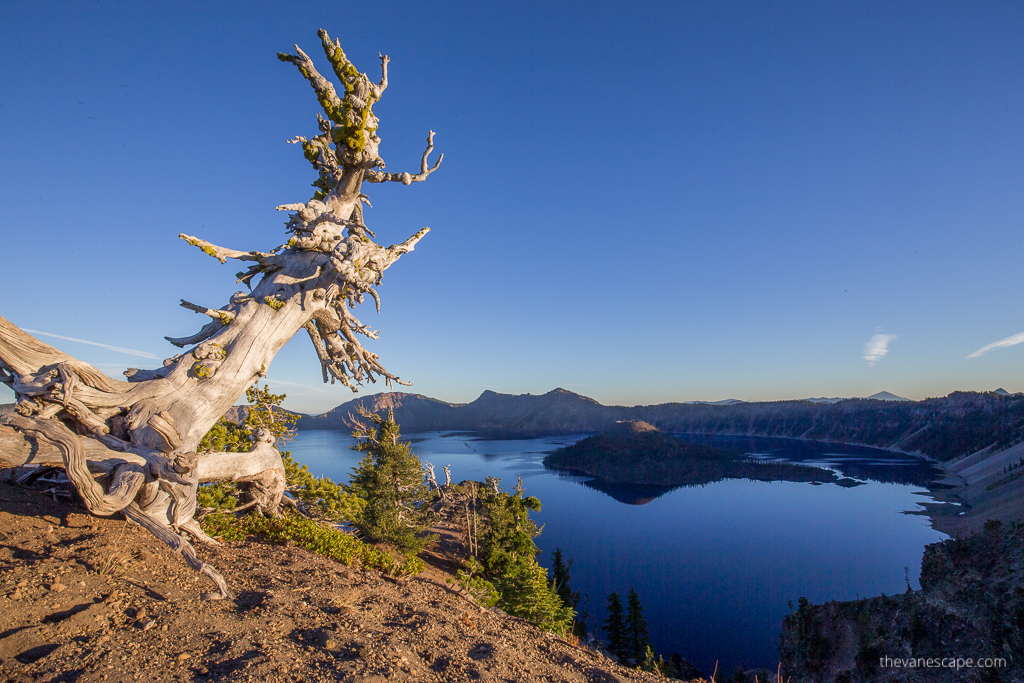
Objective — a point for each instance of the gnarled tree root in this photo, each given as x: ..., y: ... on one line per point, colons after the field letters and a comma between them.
x: 180, y: 546
x: 127, y: 482
x: 127, y: 478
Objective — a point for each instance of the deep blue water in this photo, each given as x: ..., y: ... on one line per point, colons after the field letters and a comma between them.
x: 715, y: 565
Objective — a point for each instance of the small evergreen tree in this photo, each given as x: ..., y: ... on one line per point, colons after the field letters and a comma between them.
x: 508, y: 556
x: 390, y: 479
x: 561, y: 577
x: 615, y: 628
x: 649, y: 663
x: 507, y: 537
x: 636, y: 627
x: 665, y: 667
x: 264, y: 411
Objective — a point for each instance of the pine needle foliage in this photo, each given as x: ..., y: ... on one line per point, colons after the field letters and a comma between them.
x: 560, y: 570
x: 615, y: 629
x: 390, y: 479
x: 508, y: 557
x: 309, y: 534
x: 639, y: 640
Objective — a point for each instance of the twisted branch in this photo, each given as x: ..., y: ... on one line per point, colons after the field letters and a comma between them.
x: 325, y: 91
x: 180, y: 546
x: 127, y: 478
x: 375, y: 176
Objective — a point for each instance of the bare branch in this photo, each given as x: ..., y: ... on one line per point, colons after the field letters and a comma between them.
x: 318, y: 345
x: 225, y: 317
x: 405, y: 247
x: 210, y: 329
x: 220, y: 253
x: 379, y: 89
x: 180, y: 546
x: 375, y: 176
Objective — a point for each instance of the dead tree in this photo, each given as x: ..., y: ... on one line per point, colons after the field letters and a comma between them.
x: 130, y: 446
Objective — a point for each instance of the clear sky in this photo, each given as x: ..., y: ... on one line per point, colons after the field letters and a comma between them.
x: 640, y: 201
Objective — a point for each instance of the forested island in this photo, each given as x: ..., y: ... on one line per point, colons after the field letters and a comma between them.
x: 638, y: 453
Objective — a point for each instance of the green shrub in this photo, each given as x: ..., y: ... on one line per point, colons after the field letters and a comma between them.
x: 218, y: 497
x: 526, y: 592
x: 311, y: 535
x: 481, y: 589
x: 319, y: 496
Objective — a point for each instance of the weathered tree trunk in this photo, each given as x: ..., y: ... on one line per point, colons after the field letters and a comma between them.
x: 130, y: 446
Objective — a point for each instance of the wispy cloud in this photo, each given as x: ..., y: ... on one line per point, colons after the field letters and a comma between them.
x: 1009, y: 341
x: 274, y: 381
x: 131, y: 352
x: 877, y: 348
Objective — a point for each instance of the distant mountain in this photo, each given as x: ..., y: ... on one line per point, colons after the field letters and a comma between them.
x: 941, y: 428
x: 880, y: 396
x: 556, y: 412
x: 886, y: 396
x: 414, y: 412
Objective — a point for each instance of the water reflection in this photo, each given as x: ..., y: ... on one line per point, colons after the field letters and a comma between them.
x: 857, y: 462
x: 715, y: 565
x: 630, y: 494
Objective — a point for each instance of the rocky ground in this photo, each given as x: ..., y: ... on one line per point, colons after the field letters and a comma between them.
x: 93, y: 599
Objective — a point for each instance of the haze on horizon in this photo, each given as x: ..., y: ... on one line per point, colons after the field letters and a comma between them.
x: 640, y: 203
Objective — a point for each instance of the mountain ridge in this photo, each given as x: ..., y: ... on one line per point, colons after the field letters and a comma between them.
x: 940, y: 428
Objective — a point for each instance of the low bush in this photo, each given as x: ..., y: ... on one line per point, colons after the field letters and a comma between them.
x: 311, y: 535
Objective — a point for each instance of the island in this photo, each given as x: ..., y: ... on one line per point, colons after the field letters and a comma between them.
x: 637, y: 453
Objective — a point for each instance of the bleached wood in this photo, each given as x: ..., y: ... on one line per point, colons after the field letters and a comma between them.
x: 135, y: 450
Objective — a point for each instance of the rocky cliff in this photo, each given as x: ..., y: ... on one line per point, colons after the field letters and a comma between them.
x: 970, y: 607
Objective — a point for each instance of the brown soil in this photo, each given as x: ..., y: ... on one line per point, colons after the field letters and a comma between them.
x: 91, y: 599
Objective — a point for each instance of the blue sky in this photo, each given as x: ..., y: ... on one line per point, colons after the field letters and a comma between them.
x: 640, y: 202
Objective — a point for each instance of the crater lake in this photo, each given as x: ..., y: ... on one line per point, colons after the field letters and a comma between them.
x: 716, y: 566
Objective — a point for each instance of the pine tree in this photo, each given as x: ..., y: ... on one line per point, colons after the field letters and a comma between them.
x: 508, y: 556
x: 649, y: 662
x: 507, y: 538
x: 636, y: 629
x: 616, y: 629
x: 390, y: 479
x: 560, y: 570
x: 264, y: 412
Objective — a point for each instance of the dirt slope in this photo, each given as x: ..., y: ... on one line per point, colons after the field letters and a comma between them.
x: 90, y: 599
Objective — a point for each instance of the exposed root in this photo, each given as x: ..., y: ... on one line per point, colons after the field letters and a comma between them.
x: 180, y: 546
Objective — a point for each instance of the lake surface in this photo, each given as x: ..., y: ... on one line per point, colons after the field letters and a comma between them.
x: 716, y: 565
